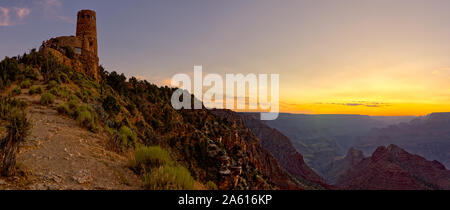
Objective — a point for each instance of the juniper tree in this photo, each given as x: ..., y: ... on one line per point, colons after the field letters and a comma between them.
x: 17, y: 129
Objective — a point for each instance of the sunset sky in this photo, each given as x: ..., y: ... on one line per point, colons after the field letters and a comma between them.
x: 378, y: 57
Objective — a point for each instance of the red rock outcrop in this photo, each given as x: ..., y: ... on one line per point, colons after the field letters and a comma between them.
x: 340, y: 166
x: 392, y: 168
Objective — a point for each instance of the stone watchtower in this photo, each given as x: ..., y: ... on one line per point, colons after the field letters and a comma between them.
x: 84, y: 45
x: 87, y: 30
x: 87, y: 33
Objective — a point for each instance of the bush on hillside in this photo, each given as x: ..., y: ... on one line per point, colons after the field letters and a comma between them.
x: 60, y: 91
x: 211, y: 185
x: 35, y: 90
x: 73, y: 97
x: 63, y: 78
x: 73, y: 104
x: 86, y: 117
x: 63, y: 109
x: 9, y: 69
x: 25, y: 84
x: 52, y: 84
x: 7, y: 104
x: 117, y: 82
x: 84, y: 95
x: 47, y: 98
x: 150, y: 157
x: 30, y: 73
x: 169, y: 178
x: 110, y: 105
x: 127, y: 137
x: 18, y: 128
x: 17, y: 91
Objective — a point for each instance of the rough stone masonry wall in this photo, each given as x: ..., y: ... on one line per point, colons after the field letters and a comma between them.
x: 72, y: 63
x: 90, y: 63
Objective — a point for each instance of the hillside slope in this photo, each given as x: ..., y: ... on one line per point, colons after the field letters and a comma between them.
x: 263, y: 159
x: 109, y: 119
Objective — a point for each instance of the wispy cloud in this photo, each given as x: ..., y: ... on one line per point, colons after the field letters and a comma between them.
x: 160, y: 81
x: 139, y: 77
x: 363, y: 103
x: 53, y: 8
x: 442, y: 72
x: 22, y: 13
x: 4, y: 16
x: 13, y: 16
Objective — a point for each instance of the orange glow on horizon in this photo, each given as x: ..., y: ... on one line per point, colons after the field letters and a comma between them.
x: 397, y: 109
x: 392, y: 109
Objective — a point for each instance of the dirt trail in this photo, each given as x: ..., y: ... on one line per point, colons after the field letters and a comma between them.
x: 59, y: 154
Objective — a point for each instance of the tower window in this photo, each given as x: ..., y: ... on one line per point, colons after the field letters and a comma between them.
x: 77, y: 50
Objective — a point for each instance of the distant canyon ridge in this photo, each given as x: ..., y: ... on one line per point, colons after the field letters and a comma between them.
x: 324, y: 140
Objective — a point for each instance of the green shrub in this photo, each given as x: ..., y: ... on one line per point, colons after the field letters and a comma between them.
x: 17, y: 130
x: 110, y: 105
x: 63, y: 109
x: 7, y: 104
x: 127, y: 137
x: 60, y: 91
x: 54, y: 91
x: 47, y: 98
x: 73, y: 104
x: 131, y: 108
x: 69, y: 52
x: 25, y: 84
x: 64, y: 92
x: 35, y: 90
x: 30, y: 73
x: 211, y: 185
x: 10, y: 70
x: 84, y: 95
x: 109, y: 130
x: 169, y: 178
x: 84, y: 114
x: 86, y: 117
x: 17, y: 91
x: 150, y: 157
x: 63, y: 78
x: 52, y: 84
x: 73, y: 97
